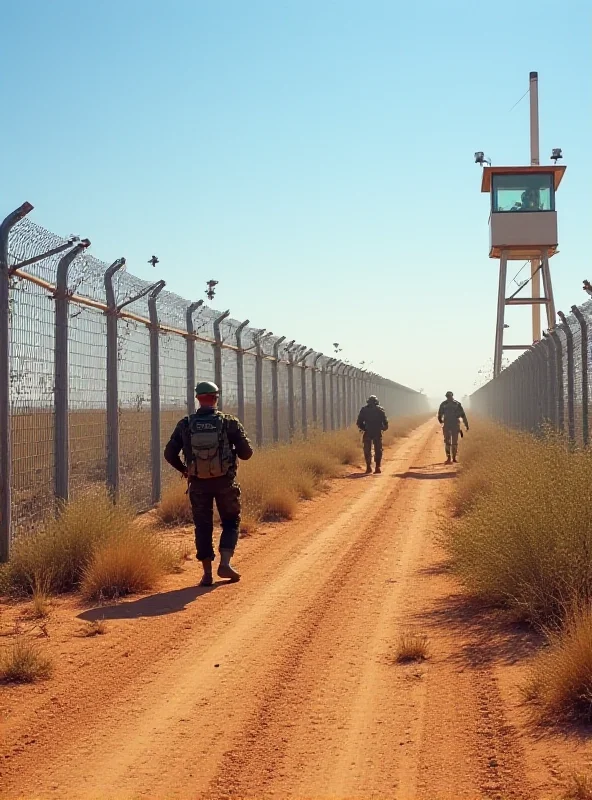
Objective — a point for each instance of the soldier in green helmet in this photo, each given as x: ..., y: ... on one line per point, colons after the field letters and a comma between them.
x: 211, y: 442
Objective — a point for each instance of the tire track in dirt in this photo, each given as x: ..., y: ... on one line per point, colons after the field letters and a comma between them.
x: 278, y: 742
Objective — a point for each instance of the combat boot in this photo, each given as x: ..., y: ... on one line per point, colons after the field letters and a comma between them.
x: 207, y: 579
x: 377, y: 471
x: 448, y: 460
x: 224, y: 569
x: 368, y: 469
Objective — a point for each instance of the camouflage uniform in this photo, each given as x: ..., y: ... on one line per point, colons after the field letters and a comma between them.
x: 202, y: 492
x: 372, y: 421
x: 449, y: 415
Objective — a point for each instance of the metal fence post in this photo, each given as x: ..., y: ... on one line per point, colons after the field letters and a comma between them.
x: 315, y: 395
x: 350, y: 394
x: 334, y: 383
x: 218, y: 356
x: 554, y: 337
x: 346, y: 397
x: 155, y: 455
x: 61, y: 375
x: 551, y: 376
x: 355, y: 390
x: 303, y: 398
x: 275, y: 388
x: 571, y: 417
x: 324, y: 416
x: 534, y: 398
x: 303, y: 391
x: 363, y: 393
x: 191, y: 355
x: 240, y: 370
x: 344, y: 412
x: 5, y: 446
x: 340, y: 393
x: 584, y: 367
x: 112, y: 399
x: 258, y: 339
x: 291, y: 409
x: 331, y: 367
x: 523, y: 393
x: 336, y: 395
x: 543, y: 387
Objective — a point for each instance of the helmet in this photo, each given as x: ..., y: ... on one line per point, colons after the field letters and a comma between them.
x: 373, y: 400
x: 449, y: 394
x: 206, y: 387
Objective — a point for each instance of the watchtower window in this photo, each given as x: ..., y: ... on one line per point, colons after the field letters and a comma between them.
x: 533, y: 192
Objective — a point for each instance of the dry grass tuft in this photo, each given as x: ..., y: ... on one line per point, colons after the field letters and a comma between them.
x: 130, y: 561
x: 174, y: 508
x: 40, y: 606
x: 24, y: 663
x: 56, y: 557
x: 580, y: 788
x: 411, y: 646
x: 561, y: 678
x: 93, y: 545
x: 96, y: 628
x: 523, y: 535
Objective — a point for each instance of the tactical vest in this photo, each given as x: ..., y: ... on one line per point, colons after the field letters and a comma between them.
x: 450, y: 412
x: 211, y: 453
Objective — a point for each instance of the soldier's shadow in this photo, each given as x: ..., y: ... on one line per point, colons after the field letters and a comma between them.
x: 155, y: 605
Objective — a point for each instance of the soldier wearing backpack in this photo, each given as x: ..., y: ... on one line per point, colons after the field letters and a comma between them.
x: 211, y: 442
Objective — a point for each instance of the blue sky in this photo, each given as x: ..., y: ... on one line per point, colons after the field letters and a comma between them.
x: 314, y: 157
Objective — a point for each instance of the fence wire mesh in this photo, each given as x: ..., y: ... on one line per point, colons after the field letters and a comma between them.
x: 548, y: 383
x: 220, y: 351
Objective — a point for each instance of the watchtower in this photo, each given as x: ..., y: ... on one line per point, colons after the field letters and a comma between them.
x: 523, y: 226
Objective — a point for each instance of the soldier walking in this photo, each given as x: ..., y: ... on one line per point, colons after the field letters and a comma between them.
x: 450, y: 414
x: 211, y: 442
x: 372, y: 421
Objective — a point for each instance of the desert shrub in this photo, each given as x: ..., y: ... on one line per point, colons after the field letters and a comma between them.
x: 524, y: 534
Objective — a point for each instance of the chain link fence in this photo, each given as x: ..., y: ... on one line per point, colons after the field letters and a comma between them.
x: 97, y: 367
x: 548, y: 383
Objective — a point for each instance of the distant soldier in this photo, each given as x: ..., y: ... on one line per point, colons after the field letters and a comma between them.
x: 450, y: 414
x: 211, y: 442
x: 372, y: 422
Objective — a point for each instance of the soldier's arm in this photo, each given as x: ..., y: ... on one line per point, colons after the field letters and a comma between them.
x: 440, y: 413
x: 463, y: 416
x: 361, y: 423
x: 174, y: 447
x: 239, y: 440
x: 384, y: 421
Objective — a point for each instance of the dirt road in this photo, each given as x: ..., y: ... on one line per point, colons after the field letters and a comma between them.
x: 285, y: 685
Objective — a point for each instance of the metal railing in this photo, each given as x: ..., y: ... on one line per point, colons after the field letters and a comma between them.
x: 96, y: 368
x: 548, y: 384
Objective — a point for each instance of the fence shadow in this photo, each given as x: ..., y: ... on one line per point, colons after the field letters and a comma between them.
x: 155, y: 605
